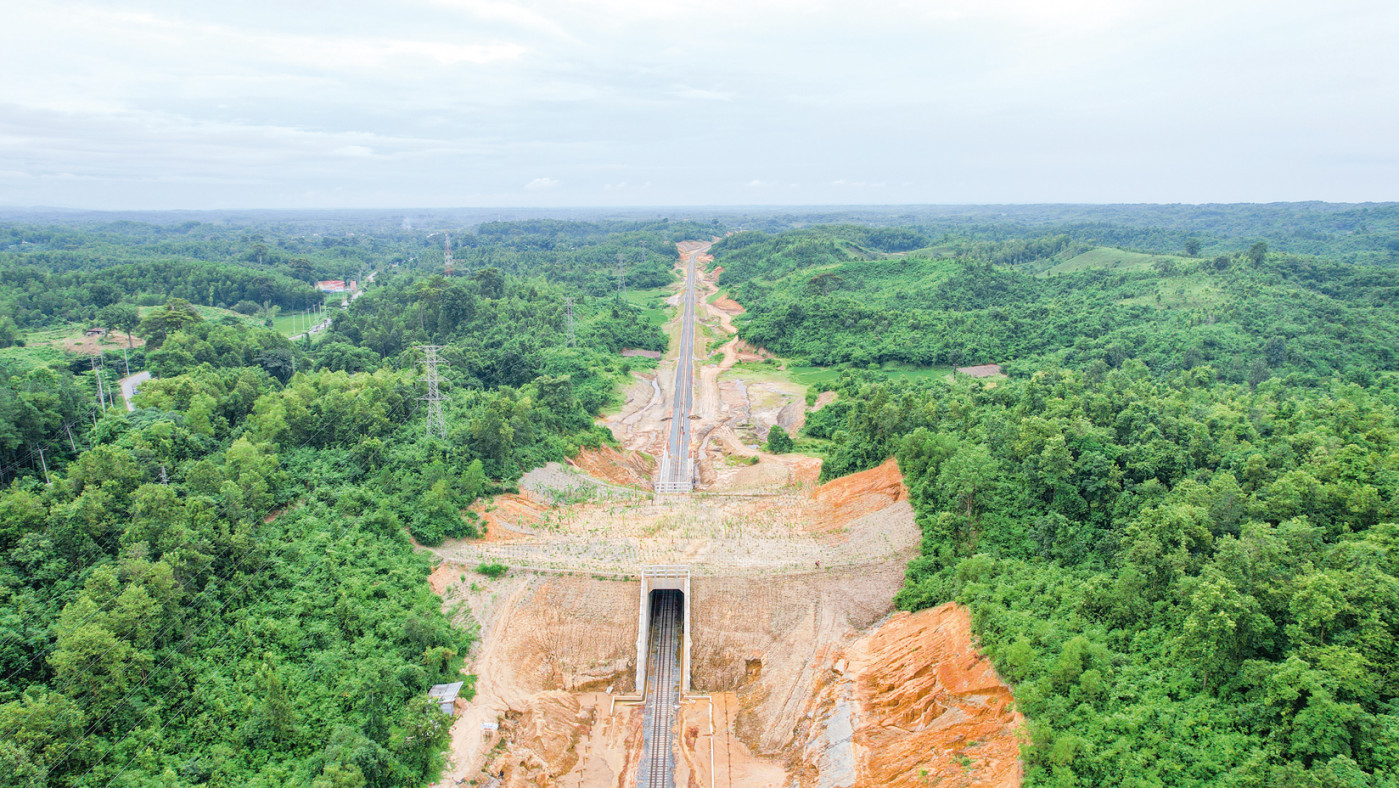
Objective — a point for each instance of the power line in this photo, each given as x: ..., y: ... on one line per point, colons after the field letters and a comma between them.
x: 435, y: 424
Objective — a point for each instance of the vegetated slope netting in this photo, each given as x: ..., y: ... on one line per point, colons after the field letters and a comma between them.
x: 1187, y: 583
x: 815, y: 295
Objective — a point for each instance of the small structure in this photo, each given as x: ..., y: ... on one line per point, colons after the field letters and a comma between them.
x: 445, y: 695
x: 331, y: 286
x: 981, y: 371
x: 95, y: 331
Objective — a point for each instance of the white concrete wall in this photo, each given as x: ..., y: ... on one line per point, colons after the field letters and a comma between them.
x: 670, y: 578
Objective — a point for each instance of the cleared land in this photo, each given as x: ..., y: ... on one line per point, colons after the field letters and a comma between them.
x: 790, y: 581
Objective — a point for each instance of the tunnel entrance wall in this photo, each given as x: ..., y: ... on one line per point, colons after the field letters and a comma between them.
x: 661, y: 578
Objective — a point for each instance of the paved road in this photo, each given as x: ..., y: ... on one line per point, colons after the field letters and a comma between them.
x: 129, y: 386
x: 678, y: 445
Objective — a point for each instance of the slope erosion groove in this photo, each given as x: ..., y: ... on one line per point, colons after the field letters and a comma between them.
x: 801, y: 674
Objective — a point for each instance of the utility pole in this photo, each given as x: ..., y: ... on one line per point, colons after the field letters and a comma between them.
x: 100, y: 399
x: 45, y: 464
x: 68, y: 428
x: 568, y: 307
x: 435, y: 424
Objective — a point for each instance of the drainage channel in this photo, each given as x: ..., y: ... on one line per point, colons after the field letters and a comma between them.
x: 662, y: 692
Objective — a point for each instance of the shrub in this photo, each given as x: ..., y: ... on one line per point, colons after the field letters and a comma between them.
x: 493, y: 571
x: 779, y: 442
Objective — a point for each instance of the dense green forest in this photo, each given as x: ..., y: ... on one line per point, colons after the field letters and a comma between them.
x: 1175, y: 523
x: 218, y: 587
x: 833, y: 296
x: 1187, y: 582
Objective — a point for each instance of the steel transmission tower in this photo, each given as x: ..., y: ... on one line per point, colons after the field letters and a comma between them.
x: 435, y: 424
x: 447, y: 256
x: 568, y: 312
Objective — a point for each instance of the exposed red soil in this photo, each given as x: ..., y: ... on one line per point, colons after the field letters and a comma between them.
x: 851, y: 497
x: 728, y: 305
x: 632, y: 468
x: 512, y: 516
x: 631, y: 352
x: 442, y: 577
x: 932, y: 710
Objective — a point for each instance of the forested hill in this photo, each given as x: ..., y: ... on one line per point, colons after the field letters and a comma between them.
x: 1176, y: 523
x: 833, y: 295
x: 219, y: 587
x: 1345, y: 232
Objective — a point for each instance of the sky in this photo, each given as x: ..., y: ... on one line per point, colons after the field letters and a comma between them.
x: 159, y: 104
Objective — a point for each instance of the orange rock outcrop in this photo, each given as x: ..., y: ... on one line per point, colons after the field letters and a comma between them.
x: 929, y: 709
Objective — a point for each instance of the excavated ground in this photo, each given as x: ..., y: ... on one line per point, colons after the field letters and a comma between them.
x: 802, y: 673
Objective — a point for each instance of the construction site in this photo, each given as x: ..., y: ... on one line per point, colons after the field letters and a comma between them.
x: 689, y: 610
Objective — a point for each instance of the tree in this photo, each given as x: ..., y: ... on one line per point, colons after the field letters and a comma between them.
x: 1257, y: 252
x: 1192, y: 247
x: 9, y: 332
x: 1275, y: 351
x: 125, y: 317
x: 779, y: 442
x: 279, y: 362
x: 164, y: 321
x: 966, y: 477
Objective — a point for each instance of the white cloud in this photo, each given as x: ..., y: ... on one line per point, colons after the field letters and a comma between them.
x: 698, y: 94
x: 186, y: 104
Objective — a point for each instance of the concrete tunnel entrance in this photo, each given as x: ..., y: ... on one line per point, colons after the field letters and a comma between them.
x: 656, y: 610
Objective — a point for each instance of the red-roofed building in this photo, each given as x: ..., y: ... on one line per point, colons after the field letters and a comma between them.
x: 331, y: 286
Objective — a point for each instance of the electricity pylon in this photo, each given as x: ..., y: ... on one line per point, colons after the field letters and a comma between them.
x: 568, y: 312
x: 435, y: 424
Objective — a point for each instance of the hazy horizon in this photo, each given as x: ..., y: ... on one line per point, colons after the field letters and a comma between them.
x: 442, y: 104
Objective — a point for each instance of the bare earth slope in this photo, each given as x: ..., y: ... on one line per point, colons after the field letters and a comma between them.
x: 802, y: 674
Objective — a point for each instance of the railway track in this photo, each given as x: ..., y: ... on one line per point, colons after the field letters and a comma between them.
x: 676, y: 469
x: 662, y: 693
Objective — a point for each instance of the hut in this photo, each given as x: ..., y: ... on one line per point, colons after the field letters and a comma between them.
x: 445, y: 695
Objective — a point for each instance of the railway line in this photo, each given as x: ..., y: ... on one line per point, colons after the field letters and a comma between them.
x: 657, y: 768
x: 676, y: 468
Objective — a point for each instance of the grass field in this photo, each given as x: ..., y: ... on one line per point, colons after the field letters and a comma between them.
x: 652, y: 304
x: 1109, y: 259
x: 1192, y: 292
x: 825, y: 376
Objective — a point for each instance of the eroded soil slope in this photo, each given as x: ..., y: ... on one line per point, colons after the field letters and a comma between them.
x: 803, y: 674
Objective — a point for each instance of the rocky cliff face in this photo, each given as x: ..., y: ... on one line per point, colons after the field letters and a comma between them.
x: 913, y: 703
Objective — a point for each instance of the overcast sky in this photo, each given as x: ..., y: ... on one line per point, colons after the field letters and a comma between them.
x: 438, y: 103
